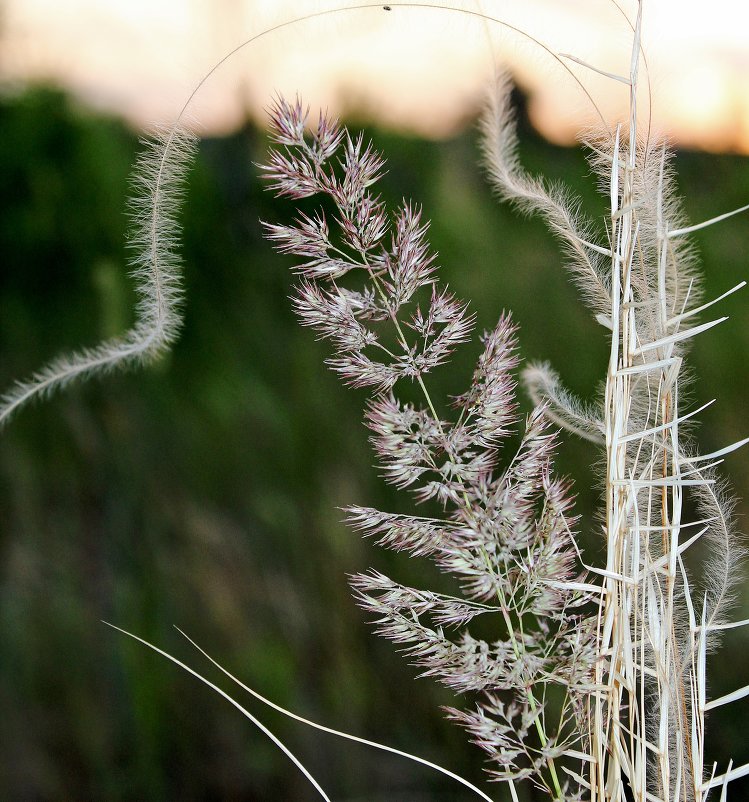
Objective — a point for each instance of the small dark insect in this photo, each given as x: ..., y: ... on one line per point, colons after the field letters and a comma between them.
x: 386, y: 8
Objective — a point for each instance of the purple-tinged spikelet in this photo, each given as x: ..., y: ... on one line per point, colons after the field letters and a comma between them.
x: 505, y: 535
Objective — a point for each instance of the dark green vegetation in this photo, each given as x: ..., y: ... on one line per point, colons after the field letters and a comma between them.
x: 204, y: 492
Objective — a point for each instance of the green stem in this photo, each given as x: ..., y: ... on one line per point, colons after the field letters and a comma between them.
x: 528, y: 691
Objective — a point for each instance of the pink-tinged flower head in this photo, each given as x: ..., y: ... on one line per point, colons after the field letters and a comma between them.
x: 504, y: 535
x: 326, y: 138
x: 288, y: 121
x: 362, y: 167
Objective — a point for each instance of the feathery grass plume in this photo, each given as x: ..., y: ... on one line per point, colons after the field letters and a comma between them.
x: 506, y: 533
x: 158, y: 183
x: 554, y: 204
x: 544, y: 387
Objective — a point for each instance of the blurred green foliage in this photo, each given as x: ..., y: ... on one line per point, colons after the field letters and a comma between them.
x: 204, y: 492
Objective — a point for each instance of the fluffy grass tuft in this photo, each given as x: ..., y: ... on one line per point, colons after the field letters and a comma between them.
x: 158, y: 182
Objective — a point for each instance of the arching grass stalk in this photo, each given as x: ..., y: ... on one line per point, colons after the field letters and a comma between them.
x: 307, y: 722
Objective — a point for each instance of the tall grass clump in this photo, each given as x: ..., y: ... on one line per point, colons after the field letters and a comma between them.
x: 588, y: 681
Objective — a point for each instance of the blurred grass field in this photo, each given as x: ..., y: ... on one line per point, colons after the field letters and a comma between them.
x: 204, y: 492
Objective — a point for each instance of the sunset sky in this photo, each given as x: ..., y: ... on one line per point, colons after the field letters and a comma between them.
x: 420, y: 69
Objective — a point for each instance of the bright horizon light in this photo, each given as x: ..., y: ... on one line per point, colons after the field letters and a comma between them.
x: 422, y: 70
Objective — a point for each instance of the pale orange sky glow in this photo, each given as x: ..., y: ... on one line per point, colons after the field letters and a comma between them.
x: 421, y: 69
